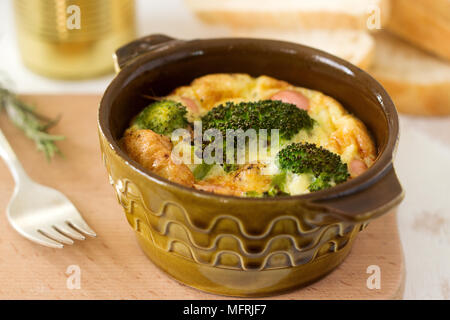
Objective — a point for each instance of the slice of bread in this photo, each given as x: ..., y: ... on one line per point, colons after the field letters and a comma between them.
x: 418, y: 82
x: 354, y: 46
x: 425, y: 23
x: 310, y: 14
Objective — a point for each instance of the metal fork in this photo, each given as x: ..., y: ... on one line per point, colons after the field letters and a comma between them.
x: 39, y: 213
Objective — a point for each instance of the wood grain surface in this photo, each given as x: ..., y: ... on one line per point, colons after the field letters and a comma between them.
x: 112, y: 265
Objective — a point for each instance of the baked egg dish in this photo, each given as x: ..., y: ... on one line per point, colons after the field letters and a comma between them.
x: 234, y: 134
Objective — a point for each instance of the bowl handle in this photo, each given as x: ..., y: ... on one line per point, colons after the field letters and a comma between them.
x: 134, y: 49
x: 369, y: 203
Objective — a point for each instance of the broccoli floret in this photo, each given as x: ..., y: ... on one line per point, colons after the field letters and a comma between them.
x: 326, y: 166
x: 163, y: 117
x: 265, y: 114
x: 323, y: 181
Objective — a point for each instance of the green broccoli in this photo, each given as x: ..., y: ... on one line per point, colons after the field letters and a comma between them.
x: 163, y: 117
x: 202, y: 170
x: 265, y: 114
x: 254, y: 194
x: 326, y: 167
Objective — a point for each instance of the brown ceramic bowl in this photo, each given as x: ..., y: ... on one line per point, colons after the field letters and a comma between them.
x: 244, y: 246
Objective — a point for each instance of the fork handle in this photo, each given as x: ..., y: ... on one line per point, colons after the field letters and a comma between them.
x: 13, y: 163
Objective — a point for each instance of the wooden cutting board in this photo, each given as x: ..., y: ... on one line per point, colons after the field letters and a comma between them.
x: 112, y: 266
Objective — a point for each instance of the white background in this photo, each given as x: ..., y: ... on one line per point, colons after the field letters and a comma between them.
x: 423, y: 159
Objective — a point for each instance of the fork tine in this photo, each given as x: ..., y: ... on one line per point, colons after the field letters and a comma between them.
x: 82, y: 226
x: 69, y: 231
x: 42, y: 240
x: 54, y: 234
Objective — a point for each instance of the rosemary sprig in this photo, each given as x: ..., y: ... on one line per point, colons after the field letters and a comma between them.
x: 34, y: 125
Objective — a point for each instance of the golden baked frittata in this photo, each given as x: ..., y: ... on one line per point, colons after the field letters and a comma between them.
x: 320, y: 143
